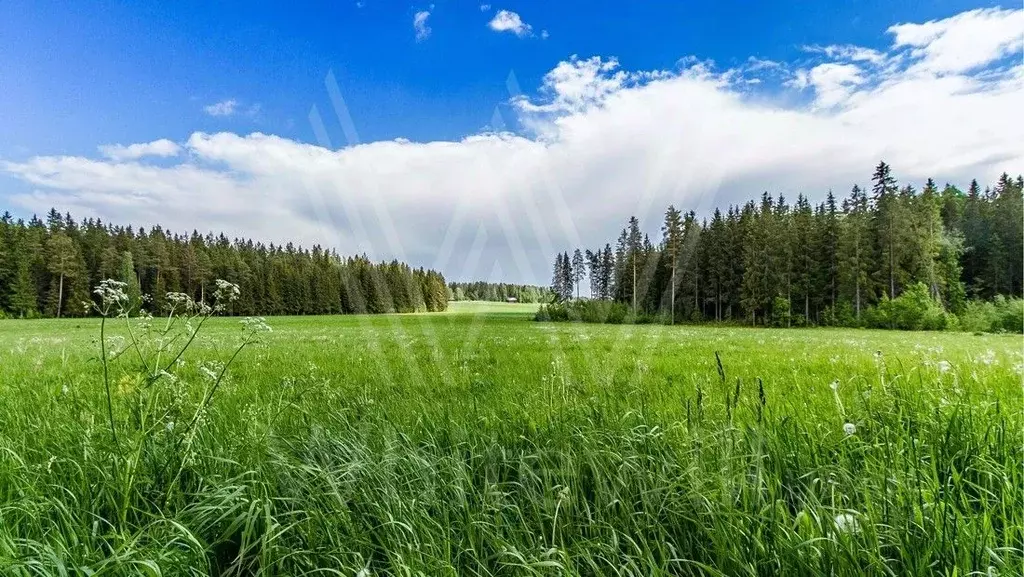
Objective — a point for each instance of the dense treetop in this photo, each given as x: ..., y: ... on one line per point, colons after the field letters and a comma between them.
x: 772, y: 262
x: 498, y: 291
x: 51, y: 268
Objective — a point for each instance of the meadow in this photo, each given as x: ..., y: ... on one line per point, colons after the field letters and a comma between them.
x: 478, y: 442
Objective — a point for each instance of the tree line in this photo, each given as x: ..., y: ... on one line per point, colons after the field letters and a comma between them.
x: 833, y: 263
x: 51, y: 267
x: 498, y: 292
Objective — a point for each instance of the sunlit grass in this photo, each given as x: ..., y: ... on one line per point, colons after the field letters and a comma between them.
x: 487, y: 444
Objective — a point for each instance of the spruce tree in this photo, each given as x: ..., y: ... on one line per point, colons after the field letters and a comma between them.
x: 672, y: 244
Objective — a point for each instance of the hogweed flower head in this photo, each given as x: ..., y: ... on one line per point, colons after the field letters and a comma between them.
x: 112, y: 296
x: 226, y: 292
x: 255, y: 326
x: 181, y: 302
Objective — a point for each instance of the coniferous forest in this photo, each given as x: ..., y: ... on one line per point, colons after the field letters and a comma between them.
x: 498, y: 292
x: 51, y: 267
x: 857, y: 261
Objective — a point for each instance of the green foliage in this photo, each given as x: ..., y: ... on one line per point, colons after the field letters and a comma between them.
x: 132, y: 289
x: 781, y: 316
x: 999, y: 315
x: 914, y: 310
x: 499, y: 292
x: 595, y: 311
x: 832, y: 266
x: 48, y: 267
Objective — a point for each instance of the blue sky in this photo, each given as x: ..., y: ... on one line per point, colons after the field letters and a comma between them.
x: 697, y: 104
x: 79, y: 74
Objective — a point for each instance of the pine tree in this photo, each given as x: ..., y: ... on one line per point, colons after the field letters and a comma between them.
x: 607, y: 270
x: 61, y: 257
x: 633, y: 250
x: 23, y: 290
x: 579, y: 270
x: 976, y: 239
x: 567, y: 277
x: 886, y: 221
x: 856, y: 252
x: 672, y: 244
x: 558, y: 277
x: 805, y: 252
x: 828, y: 237
x: 127, y: 275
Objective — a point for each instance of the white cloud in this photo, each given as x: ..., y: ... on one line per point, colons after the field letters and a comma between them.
x: 609, y: 143
x: 485, y: 7
x: 508, y: 21
x: 848, y: 52
x: 419, y: 24
x: 118, y: 152
x: 963, y: 42
x: 223, y: 108
x: 755, y: 64
x: 833, y: 83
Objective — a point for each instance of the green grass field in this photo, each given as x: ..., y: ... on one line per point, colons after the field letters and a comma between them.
x: 481, y: 443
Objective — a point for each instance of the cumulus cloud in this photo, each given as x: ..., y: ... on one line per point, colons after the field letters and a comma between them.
x: 419, y: 24
x: 118, y: 152
x: 833, y: 83
x: 508, y: 21
x: 602, y: 143
x: 223, y: 108
x: 963, y: 42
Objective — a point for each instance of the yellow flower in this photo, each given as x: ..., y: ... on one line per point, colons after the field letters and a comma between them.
x: 127, y: 384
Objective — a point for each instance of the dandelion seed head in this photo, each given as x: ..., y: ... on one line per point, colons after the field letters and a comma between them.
x: 849, y: 428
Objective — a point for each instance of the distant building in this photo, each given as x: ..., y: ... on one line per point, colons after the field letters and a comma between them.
x: 511, y: 300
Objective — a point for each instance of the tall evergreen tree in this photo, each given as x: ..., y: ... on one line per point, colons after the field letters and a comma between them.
x: 579, y: 271
x: 672, y: 244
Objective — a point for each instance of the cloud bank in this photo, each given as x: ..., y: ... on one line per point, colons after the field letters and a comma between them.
x: 600, y: 144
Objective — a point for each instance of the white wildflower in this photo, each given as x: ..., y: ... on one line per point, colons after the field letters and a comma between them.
x: 225, y: 292
x: 212, y: 370
x: 169, y: 426
x: 255, y: 325
x: 849, y: 428
x: 943, y: 366
x: 112, y: 295
x: 64, y: 390
x: 847, y: 523
x: 835, y: 385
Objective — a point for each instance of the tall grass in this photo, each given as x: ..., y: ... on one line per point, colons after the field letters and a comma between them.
x: 485, y: 446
